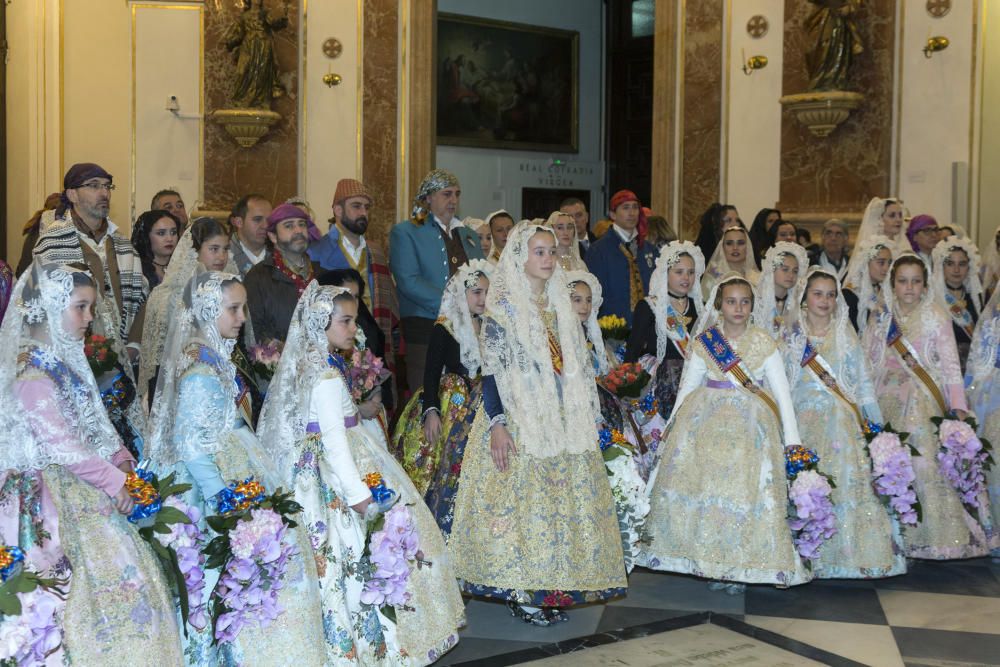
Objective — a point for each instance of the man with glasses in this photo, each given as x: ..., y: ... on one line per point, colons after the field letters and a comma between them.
x: 82, y: 234
x: 832, y: 255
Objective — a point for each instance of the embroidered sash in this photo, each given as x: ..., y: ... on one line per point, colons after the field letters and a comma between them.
x: 895, y: 340
x: 959, y: 311
x: 725, y: 357
x: 243, y: 402
x: 555, y: 351
x: 812, y: 361
x: 679, y: 334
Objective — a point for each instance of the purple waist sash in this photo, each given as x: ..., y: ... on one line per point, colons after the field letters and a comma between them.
x: 349, y: 422
x: 720, y: 384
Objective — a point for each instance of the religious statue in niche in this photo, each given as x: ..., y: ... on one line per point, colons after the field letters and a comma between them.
x: 256, y: 81
x: 836, y: 40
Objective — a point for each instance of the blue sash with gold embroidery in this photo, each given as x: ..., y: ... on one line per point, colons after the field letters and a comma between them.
x: 810, y: 360
x: 725, y: 357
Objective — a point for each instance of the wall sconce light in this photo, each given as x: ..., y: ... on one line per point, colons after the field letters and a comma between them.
x: 935, y: 44
x: 754, y: 63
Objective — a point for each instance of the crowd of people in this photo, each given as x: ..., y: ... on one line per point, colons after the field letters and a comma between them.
x: 249, y: 442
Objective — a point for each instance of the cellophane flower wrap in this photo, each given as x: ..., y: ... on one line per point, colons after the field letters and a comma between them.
x: 613, y: 328
x: 392, y: 550
x: 893, y: 476
x: 811, y: 516
x: 170, y: 526
x: 626, y: 381
x: 252, y: 550
x: 30, y: 608
x: 628, y: 490
x: 365, y: 373
x: 964, y: 458
x: 264, y: 358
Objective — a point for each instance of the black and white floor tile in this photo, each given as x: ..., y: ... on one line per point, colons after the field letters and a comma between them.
x: 937, y: 615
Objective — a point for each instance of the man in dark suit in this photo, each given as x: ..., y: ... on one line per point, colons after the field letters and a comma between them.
x: 578, y: 210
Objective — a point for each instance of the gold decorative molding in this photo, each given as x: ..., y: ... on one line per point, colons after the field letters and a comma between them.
x: 246, y: 126
x: 822, y: 112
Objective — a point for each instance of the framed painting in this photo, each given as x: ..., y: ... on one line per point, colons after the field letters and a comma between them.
x: 506, y: 85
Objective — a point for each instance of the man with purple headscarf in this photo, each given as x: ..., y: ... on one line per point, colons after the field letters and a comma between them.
x: 275, y: 284
x: 81, y: 233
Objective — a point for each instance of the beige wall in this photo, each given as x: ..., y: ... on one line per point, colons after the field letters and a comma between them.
x: 989, y: 166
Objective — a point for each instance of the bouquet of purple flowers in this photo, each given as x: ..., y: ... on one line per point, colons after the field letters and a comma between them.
x: 892, y: 471
x: 252, y: 550
x: 810, y: 507
x: 392, y: 549
x: 29, y: 604
x: 964, y: 458
x: 264, y: 359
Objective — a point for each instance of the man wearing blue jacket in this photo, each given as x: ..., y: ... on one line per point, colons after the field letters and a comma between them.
x: 622, y: 260
x: 424, y: 252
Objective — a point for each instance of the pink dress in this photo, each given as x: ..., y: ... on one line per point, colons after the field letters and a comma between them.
x: 947, y: 530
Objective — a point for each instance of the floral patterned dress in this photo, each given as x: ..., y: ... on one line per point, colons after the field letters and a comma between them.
x: 332, y: 458
x: 119, y: 609
x: 947, y: 530
x: 289, y: 639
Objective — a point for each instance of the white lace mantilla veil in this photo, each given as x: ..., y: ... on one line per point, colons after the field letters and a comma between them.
x: 516, y: 353
x: 577, y: 263
x: 871, y: 225
x: 591, y: 325
x: 972, y: 283
x: 858, y: 278
x: 766, y: 302
x: 659, y: 293
x: 986, y: 340
x: 926, y: 312
x: 797, y: 332
x: 991, y: 262
x: 718, y: 266
x: 710, y: 315
x: 195, y: 322
x: 455, y: 316
x: 39, y: 299
x: 285, y: 414
x: 165, y: 301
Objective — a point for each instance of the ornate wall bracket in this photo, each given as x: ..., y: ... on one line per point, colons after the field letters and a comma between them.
x: 246, y: 126
x: 822, y: 111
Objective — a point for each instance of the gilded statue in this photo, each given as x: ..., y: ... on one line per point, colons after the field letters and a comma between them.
x: 834, y: 32
x: 256, y: 82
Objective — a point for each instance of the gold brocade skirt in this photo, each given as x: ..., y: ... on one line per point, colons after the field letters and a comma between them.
x: 544, y: 525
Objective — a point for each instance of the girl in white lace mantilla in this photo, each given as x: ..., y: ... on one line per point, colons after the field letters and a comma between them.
x: 955, y: 287
x: 200, y: 428
x: 832, y: 392
x: 718, y: 497
x: 982, y: 379
x: 863, y: 283
x: 535, y: 522
x: 781, y: 282
x: 310, y: 425
x: 734, y: 253
x: 567, y: 245
x: 911, y: 332
x: 64, y: 480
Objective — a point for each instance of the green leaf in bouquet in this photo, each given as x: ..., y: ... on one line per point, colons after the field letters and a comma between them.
x: 170, y: 515
x: 160, y: 528
x: 612, y: 453
x: 10, y: 605
x: 389, y: 612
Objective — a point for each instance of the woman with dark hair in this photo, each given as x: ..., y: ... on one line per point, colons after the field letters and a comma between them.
x: 760, y: 232
x: 782, y: 230
x: 154, y: 237
x: 714, y: 220
x: 373, y: 335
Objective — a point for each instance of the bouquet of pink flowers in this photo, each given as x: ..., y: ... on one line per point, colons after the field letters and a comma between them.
x: 964, y: 458
x: 264, y: 359
x: 252, y: 549
x: 365, y: 373
x: 392, y: 549
x: 892, y: 472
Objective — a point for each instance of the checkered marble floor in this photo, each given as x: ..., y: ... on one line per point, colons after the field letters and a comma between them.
x: 938, y: 614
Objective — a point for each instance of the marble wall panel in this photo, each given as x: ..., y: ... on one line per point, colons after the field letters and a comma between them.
x: 702, y: 111
x: 380, y: 133
x: 270, y: 167
x: 838, y: 174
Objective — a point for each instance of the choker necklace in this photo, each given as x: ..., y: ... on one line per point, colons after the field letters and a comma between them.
x: 677, y: 296
x: 162, y: 266
x: 781, y: 299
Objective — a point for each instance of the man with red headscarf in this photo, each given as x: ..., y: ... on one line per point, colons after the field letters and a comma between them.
x: 622, y: 260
